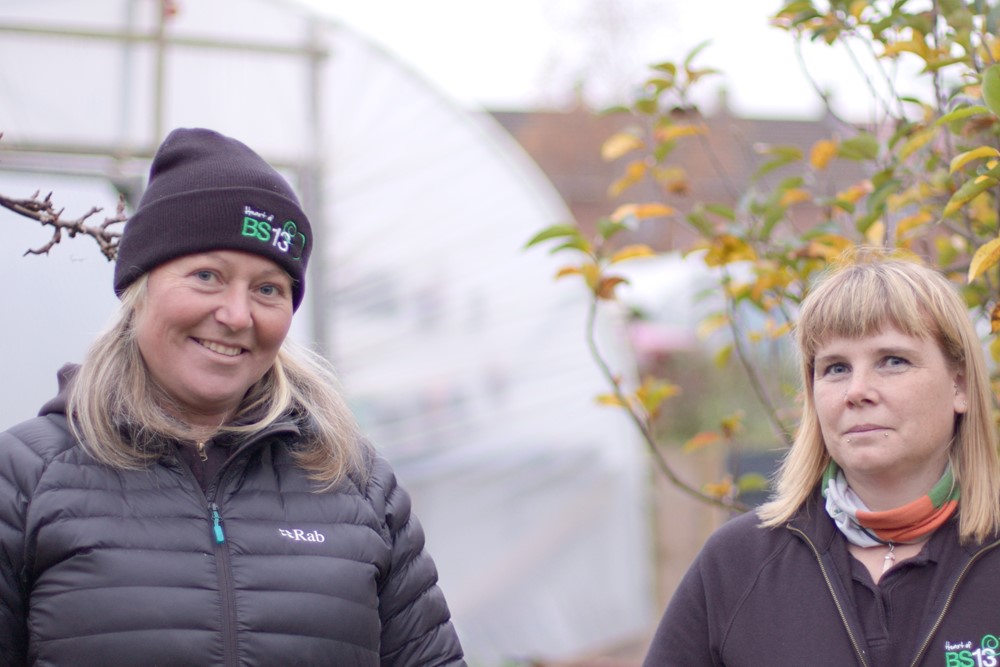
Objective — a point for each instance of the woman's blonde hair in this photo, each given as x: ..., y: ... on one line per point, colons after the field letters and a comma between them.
x: 123, y: 419
x: 869, y: 291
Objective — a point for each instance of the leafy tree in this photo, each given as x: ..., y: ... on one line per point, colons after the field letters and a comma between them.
x: 928, y: 185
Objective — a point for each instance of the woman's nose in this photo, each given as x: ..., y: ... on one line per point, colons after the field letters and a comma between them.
x: 234, y: 311
x: 860, y: 388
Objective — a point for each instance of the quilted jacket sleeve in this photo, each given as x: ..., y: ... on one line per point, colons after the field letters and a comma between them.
x: 416, y: 622
x: 22, y: 460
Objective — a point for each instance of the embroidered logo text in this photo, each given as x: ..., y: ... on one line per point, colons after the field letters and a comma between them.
x: 286, y: 238
x: 967, y: 654
x: 299, y: 535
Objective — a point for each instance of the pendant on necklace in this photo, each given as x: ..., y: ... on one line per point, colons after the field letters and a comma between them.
x: 203, y: 455
x: 890, y: 558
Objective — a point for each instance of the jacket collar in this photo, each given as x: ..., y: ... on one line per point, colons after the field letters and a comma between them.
x: 57, y: 404
x: 816, y: 524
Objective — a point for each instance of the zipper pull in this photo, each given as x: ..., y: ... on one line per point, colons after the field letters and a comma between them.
x: 220, y: 537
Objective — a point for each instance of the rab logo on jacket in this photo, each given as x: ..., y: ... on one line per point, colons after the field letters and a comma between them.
x: 301, y: 535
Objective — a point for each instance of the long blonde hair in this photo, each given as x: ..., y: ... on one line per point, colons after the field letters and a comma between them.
x: 859, y: 298
x: 122, y: 418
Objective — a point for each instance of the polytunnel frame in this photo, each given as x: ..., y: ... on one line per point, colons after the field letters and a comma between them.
x: 124, y: 166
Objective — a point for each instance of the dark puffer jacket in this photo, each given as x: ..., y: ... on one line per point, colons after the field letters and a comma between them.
x: 107, y: 567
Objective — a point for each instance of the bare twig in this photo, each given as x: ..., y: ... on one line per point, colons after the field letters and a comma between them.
x: 754, y: 374
x: 643, y: 426
x: 44, y: 212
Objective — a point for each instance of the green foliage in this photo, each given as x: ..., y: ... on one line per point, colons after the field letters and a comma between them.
x: 929, y: 186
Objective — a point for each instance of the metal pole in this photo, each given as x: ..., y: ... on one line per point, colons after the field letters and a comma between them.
x: 314, y: 200
x: 159, y: 93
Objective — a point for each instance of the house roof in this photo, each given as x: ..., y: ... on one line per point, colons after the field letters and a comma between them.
x: 720, y: 165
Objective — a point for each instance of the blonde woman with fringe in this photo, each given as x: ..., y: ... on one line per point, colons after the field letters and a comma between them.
x: 879, y: 546
x: 198, y: 492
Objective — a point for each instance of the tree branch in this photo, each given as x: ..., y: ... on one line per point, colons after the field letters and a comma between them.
x: 643, y: 426
x: 44, y: 212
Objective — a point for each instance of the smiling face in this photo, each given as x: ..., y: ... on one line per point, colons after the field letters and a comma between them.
x: 210, y: 327
x: 886, y: 405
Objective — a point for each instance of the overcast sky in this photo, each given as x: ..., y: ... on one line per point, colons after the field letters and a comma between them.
x: 529, y: 53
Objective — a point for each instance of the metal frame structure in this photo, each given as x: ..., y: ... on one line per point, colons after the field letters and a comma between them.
x: 125, y: 165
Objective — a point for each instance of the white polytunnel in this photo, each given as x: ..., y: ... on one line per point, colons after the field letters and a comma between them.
x: 465, y: 362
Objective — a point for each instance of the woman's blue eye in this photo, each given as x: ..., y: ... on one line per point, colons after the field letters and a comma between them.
x: 204, y: 275
x: 835, y: 369
x: 271, y: 290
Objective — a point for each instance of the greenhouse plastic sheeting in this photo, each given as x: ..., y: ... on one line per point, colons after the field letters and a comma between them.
x: 464, y: 361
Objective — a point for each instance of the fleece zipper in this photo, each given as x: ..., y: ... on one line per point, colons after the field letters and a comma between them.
x: 836, y: 601
x: 951, y: 596
x: 937, y: 622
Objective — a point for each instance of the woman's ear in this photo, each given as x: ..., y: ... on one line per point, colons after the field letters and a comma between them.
x: 961, y: 400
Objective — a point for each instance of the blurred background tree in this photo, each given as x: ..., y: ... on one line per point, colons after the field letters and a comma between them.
x: 925, y: 183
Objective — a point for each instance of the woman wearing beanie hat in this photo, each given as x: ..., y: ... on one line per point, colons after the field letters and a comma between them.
x: 198, y: 493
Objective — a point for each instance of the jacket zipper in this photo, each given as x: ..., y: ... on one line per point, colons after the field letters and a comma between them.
x: 221, y: 549
x: 836, y: 600
x: 947, y: 603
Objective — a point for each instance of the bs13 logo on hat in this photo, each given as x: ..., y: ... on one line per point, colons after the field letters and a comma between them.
x: 287, y: 238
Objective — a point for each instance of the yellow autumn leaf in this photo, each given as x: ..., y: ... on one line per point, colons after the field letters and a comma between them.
x: 721, y: 358
x: 632, y: 252
x: 777, y: 331
x: 917, y: 141
x: 969, y: 192
x: 965, y: 158
x: 911, y: 222
x: 732, y: 424
x: 854, y: 193
x: 737, y: 290
x: 642, y: 211
x: 672, y: 179
x: 610, y: 400
x: 995, y: 319
x: 619, y: 144
x: 857, y: 7
x: 633, y: 174
x: 653, y: 393
x: 985, y: 256
x: 605, y: 288
x: 915, y: 45
x: 702, y: 440
x: 827, y: 246
x: 711, y: 324
x: 995, y: 349
x: 726, y: 248
x: 902, y: 200
x: 568, y: 271
x: 822, y: 152
x: 720, y: 489
x: 875, y: 234
x: 671, y: 132
x: 768, y: 279
x: 794, y: 196
x: 980, y: 211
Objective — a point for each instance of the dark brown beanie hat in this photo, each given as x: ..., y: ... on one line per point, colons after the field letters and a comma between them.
x: 210, y: 192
